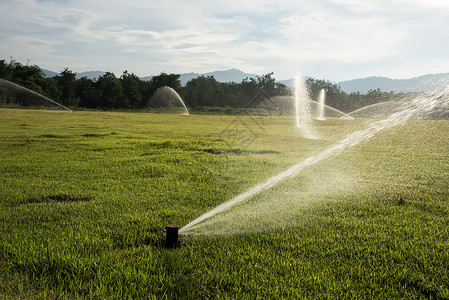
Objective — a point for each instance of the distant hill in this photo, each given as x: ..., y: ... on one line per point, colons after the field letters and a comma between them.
x: 184, y: 78
x: 49, y: 73
x: 88, y: 74
x: 232, y: 75
x: 288, y: 82
x: 425, y: 83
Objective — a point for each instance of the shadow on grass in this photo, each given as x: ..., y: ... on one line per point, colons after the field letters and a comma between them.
x: 53, y: 198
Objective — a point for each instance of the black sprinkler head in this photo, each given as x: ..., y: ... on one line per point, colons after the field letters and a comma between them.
x: 171, y: 236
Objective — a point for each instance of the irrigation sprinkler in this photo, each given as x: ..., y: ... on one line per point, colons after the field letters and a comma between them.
x: 171, y: 236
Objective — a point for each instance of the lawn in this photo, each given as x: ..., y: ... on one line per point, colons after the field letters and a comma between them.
x: 85, y: 198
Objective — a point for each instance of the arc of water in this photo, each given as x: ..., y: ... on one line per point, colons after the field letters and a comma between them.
x: 410, y: 109
x: 370, y: 106
x: 35, y: 93
x: 180, y: 100
x: 170, y: 91
x: 344, y: 115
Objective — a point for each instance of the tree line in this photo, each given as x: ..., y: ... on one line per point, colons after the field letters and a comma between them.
x: 130, y: 92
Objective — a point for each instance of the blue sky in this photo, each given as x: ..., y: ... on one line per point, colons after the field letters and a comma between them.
x: 334, y: 40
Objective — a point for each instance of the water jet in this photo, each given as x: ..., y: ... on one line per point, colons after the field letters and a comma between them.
x: 302, y: 107
x: 25, y: 96
x: 321, y: 104
x: 167, y: 98
x: 171, y: 236
x: 377, y: 110
x: 414, y: 107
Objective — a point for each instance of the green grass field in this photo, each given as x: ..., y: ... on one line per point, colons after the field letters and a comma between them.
x: 85, y: 197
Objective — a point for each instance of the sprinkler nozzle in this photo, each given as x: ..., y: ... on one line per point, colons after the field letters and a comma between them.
x: 171, y: 236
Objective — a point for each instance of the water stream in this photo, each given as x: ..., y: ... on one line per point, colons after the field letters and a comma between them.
x: 410, y: 108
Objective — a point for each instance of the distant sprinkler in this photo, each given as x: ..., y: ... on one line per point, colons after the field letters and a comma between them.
x: 321, y: 104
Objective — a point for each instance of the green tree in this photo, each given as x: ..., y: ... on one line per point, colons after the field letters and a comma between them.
x: 164, y: 79
x: 86, y: 93
x: 232, y: 94
x: 204, y: 91
x: 270, y: 86
x: 66, y: 82
x: 250, y: 88
x: 335, y: 97
x: 110, y: 92
x: 30, y: 77
x: 148, y: 88
x: 5, y: 70
x: 131, y: 89
x: 50, y: 89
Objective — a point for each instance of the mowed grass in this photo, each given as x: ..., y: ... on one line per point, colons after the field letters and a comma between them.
x: 85, y: 198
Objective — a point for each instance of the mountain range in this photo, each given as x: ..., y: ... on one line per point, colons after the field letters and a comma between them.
x: 232, y: 75
x: 424, y: 83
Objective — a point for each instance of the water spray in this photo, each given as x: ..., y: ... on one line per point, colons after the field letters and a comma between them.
x: 416, y: 107
x: 302, y: 107
x: 321, y: 104
x: 16, y: 86
x: 165, y: 94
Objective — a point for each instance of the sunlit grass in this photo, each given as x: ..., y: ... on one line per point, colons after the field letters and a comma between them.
x: 85, y: 197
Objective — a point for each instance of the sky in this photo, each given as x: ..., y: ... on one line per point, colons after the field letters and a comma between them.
x: 335, y: 40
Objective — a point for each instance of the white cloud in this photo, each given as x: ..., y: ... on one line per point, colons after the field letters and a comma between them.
x: 148, y: 37
x: 325, y: 37
x: 20, y: 45
x: 438, y: 4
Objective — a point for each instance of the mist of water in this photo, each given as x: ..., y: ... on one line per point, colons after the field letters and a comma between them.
x: 321, y: 104
x: 339, y: 113
x: 18, y: 88
x: 303, y: 107
x: 377, y: 110
x: 410, y: 108
x: 167, y: 98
